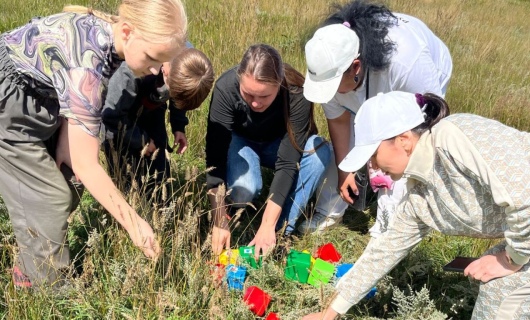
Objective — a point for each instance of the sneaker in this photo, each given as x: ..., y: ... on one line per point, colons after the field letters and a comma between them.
x: 20, y: 279
x: 319, y: 222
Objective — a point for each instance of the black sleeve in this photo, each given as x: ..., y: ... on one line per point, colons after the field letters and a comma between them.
x: 156, y: 128
x: 177, y: 118
x: 288, y: 155
x: 121, y: 97
x: 218, y: 134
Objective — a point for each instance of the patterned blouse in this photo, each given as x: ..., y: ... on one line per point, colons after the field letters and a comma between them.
x: 469, y: 177
x: 69, y: 57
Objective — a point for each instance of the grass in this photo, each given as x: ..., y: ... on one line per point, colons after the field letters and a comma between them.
x: 489, y: 44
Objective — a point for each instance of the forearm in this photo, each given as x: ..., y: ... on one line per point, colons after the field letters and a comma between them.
x: 340, y: 132
x: 271, y: 215
x: 219, y: 211
x: 101, y: 187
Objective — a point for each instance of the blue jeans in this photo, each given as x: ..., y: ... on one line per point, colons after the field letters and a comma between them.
x: 245, y: 159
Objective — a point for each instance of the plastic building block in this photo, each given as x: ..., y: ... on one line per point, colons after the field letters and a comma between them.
x: 371, y: 294
x: 272, y: 316
x: 342, y: 269
x: 298, y: 266
x: 328, y: 253
x: 257, y: 300
x: 235, y: 276
x: 312, y: 258
x: 229, y: 257
x: 321, y: 273
x: 218, y: 273
x: 247, y: 255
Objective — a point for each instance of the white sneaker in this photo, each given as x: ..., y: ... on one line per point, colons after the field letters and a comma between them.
x: 319, y: 222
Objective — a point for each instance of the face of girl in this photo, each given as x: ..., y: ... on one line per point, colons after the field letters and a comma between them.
x: 145, y: 58
x: 391, y: 157
x: 258, y: 95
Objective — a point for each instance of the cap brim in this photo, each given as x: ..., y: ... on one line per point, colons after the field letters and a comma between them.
x: 358, y: 157
x: 320, y: 91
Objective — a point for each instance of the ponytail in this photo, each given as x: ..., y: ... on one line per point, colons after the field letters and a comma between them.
x: 434, y: 109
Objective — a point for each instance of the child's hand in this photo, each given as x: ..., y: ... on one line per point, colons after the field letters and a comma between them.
x: 144, y: 238
x: 181, y: 141
x: 149, y: 149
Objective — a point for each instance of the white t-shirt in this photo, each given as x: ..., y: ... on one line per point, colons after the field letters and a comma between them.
x: 420, y: 63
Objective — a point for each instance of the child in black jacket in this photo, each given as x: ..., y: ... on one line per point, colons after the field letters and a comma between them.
x: 134, y: 118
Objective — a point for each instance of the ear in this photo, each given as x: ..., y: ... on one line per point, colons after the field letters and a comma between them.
x: 125, y: 30
x: 407, y: 141
x: 356, y: 67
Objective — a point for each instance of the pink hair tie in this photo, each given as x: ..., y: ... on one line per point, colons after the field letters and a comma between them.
x: 347, y: 24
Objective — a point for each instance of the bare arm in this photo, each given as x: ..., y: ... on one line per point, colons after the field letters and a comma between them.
x: 221, y: 226
x: 339, y: 132
x: 84, y: 150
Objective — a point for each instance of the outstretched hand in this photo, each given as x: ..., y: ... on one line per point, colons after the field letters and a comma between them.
x: 220, y: 239
x: 264, y: 241
x: 181, y: 141
x: 347, y: 180
x: 144, y: 238
x: 490, y: 267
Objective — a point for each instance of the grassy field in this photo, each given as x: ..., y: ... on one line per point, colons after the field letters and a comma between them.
x: 489, y: 43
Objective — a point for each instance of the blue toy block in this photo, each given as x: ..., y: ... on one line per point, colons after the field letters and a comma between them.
x: 342, y: 269
x: 371, y: 294
x: 235, y: 276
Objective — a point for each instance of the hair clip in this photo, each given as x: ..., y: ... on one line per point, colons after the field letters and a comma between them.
x: 347, y: 24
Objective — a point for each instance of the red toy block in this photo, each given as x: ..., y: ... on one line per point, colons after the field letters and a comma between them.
x: 328, y: 253
x: 257, y: 300
x: 272, y: 316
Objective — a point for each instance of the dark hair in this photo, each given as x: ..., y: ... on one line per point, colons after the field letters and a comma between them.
x: 370, y: 21
x: 436, y: 108
x: 265, y: 64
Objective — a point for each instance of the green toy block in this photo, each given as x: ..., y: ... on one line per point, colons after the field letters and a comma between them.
x: 298, y: 266
x: 321, y: 273
x: 247, y: 255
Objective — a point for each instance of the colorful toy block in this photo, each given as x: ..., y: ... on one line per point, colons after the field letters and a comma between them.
x: 321, y: 273
x: 229, y: 257
x: 328, y: 253
x: 298, y: 266
x: 272, y: 316
x: 312, y: 258
x: 247, y: 255
x: 257, y: 300
x: 235, y: 276
x: 342, y: 269
x: 371, y: 294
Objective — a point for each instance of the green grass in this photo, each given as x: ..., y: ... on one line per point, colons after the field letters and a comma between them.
x: 489, y: 44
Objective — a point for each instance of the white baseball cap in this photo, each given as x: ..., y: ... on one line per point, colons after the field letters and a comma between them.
x: 328, y: 55
x: 382, y: 117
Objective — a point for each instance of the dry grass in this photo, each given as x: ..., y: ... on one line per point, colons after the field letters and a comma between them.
x: 489, y: 43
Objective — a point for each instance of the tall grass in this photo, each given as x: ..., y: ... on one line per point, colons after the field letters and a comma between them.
x: 489, y: 44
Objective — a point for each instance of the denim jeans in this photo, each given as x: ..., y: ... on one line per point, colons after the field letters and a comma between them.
x: 245, y: 159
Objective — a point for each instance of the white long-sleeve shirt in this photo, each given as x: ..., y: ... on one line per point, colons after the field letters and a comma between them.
x: 469, y: 177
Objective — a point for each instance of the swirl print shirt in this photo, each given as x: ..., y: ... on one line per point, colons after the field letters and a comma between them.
x: 70, y: 57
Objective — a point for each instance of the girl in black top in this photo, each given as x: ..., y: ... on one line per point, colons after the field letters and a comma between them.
x: 259, y: 117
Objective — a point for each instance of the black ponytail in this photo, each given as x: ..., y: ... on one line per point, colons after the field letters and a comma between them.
x: 434, y: 109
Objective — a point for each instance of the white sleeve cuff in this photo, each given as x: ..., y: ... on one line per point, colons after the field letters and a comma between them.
x: 340, y: 305
x: 516, y: 257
